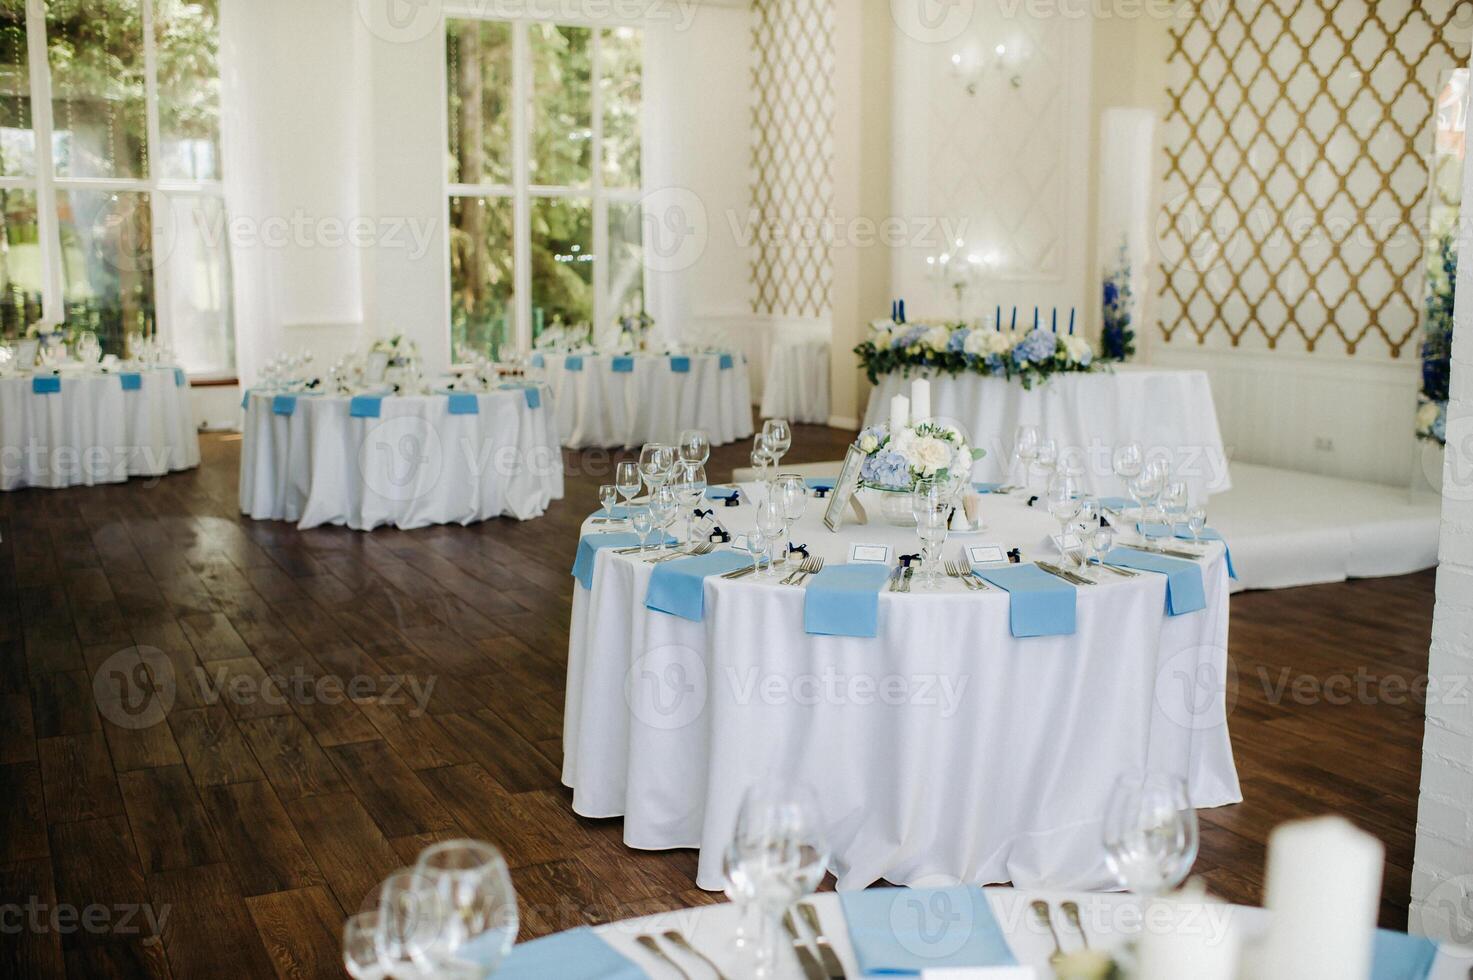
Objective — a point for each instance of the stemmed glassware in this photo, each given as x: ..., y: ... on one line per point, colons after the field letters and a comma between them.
x: 655, y: 463
x: 608, y: 496
x: 931, y: 505
x: 472, y: 888
x: 626, y: 480
x: 1173, y: 504
x: 1145, y: 488
x: 1127, y: 461
x: 1064, y: 506
x: 777, y: 436
x: 360, y: 954
x: 1099, y: 541
x: 778, y: 853
x: 755, y: 544
x: 410, y: 919
x: 1197, y: 522
x: 643, y: 522
x: 770, y: 522
x: 762, y: 460
x: 664, y: 506
x: 1026, y: 449
x: 1048, y: 459
x: 695, y: 446
x: 792, y: 494
x: 690, y: 485
x: 1150, y: 832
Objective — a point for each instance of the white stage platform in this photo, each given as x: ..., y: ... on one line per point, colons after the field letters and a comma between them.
x: 1288, y: 528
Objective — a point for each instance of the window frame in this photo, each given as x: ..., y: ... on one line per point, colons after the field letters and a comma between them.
x: 45, y: 183
x: 521, y: 191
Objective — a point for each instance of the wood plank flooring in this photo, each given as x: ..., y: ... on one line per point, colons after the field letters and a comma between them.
x: 231, y: 834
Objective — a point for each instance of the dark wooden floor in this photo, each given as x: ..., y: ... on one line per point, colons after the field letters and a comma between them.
x: 291, y: 773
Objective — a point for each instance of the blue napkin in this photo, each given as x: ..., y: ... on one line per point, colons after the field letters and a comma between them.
x: 532, y: 393
x: 1184, y: 592
x: 679, y: 587
x: 680, y: 365
x: 1397, y: 956
x: 726, y: 362
x: 179, y: 379
x: 46, y: 385
x: 366, y: 406
x: 986, y: 487
x: 573, y: 362
x: 245, y: 398
x: 623, y: 365
x: 538, y: 360
x: 1208, y: 534
x: 1117, y: 503
x: 574, y: 955
x: 464, y: 403
x: 588, y: 548
x: 820, y: 482
x: 844, y: 600
x: 721, y: 493
x: 907, y: 930
x: 132, y: 381
x: 283, y: 404
x: 1039, y: 604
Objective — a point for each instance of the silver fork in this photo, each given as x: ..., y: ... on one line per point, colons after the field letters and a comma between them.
x: 817, y: 566
x: 648, y: 942
x: 680, y: 942
x: 700, y: 549
x: 954, y: 570
x: 805, y: 568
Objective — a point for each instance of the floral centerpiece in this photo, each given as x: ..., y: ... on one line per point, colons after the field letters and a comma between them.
x: 1437, y: 342
x: 633, y: 328
x: 1117, y: 340
x: 954, y: 348
x: 896, y: 462
x: 561, y: 337
x: 401, y: 350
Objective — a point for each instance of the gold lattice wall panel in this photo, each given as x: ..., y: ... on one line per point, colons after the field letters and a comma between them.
x: 1296, y: 183
x: 792, y: 154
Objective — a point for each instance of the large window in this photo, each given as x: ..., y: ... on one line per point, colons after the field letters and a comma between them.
x: 112, y: 214
x: 544, y: 144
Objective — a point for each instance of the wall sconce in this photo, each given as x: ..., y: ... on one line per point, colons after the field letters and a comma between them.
x: 968, y: 67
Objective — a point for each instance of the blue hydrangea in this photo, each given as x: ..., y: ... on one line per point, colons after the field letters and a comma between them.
x: 1439, y: 428
x: 958, y: 341
x: 909, y: 336
x: 1038, y: 346
x: 887, y: 469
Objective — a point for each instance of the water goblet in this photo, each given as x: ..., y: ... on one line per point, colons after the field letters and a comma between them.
x: 608, y: 496
x: 1064, y: 506
x: 360, y: 955
x: 664, y: 507
x: 626, y: 480
x: 771, y: 522
x: 792, y: 493
x: 1150, y: 832
x: 472, y: 885
x: 1025, y: 448
x: 777, y: 436
x: 1197, y: 522
x: 642, y: 521
x: 695, y: 446
x: 410, y: 921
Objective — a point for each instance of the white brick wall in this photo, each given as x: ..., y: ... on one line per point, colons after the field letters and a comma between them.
x: 1442, y: 874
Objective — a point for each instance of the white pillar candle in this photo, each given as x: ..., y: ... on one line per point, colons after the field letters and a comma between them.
x: 1188, y: 936
x: 899, y: 413
x: 920, y: 399
x: 1323, y: 887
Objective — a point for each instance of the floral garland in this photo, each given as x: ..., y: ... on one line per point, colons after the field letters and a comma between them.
x: 1437, y: 344
x: 924, y: 451
x: 955, y: 348
x: 1117, y: 340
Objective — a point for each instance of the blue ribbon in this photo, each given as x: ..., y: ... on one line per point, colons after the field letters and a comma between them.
x: 180, y: 380
x: 623, y: 365
x: 573, y: 363
x: 726, y: 362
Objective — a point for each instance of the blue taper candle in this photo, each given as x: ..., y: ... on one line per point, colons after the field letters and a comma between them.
x: 1071, y: 321
x: 1014, y: 325
x: 1035, y: 318
x: 997, y: 318
x: 894, y: 312
x: 1055, y: 320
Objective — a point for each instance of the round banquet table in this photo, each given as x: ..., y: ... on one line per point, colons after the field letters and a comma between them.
x: 414, y: 465
x: 942, y: 746
x: 1088, y: 415
x: 91, y: 429
x: 650, y: 402
x: 1109, y: 921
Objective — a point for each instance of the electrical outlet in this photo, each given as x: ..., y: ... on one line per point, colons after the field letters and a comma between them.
x: 1324, y: 444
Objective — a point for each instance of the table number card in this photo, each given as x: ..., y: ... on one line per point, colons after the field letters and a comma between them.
x: 869, y: 554
x: 843, y: 494
x: 987, y: 554
x: 1066, y: 543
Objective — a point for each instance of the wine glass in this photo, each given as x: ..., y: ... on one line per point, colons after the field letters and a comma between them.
x: 778, y: 853
x: 1159, y: 472
x: 642, y: 521
x: 1145, y: 488
x: 777, y: 436
x: 771, y: 522
x: 664, y: 506
x: 650, y: 464
x: 1099, y: 540
x: 762, y: 459
x: 472, y: 885
x: 1064, y: 506
x: 1197, y: 522
x: 626, y: 480
x: 1048, y: 459
x: 1126, y: 461
x: 410, y: 920
x: 755, y: 544
x: 792, y: 493
x: 1150, y: 832
x: 360, y: 954
x: 608, y: 496
x: 695, y: 446
x: 1173, y: 503
x: 930, y: 505
x: 1026, y: 449
x: 1087, y: 520
x: 690, y: 486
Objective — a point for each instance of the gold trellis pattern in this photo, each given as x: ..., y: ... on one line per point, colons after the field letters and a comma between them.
x: 1296, y: 181
x: 792, y: 154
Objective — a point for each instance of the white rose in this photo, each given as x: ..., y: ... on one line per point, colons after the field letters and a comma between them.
x: 1078, y: 349
x: 936, y: 338
x: 868, y: 444
x: 903, y: 442
x: 1426, y: 415
x: 931, y: 454
x: 881, y: 338
x: 882, y: 324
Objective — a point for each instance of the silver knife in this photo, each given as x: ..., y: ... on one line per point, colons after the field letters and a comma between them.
x: 1059, y: 573
x: 826, y: 952
x: 811, y: 968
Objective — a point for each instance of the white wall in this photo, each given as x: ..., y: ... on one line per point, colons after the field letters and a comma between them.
x: 334, y: 117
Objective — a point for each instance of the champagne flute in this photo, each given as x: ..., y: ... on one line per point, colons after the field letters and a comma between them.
x: 777, y: 435
x: 472, y: 884
x: 1150, y: 832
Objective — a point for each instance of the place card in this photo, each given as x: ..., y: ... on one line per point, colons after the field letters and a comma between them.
x: 1066, y: 543
x: 869, y: 554
x: 986, y: 554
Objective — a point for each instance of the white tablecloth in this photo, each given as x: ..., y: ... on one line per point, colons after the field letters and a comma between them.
x: 92, y: 431
x: 413, y: 466
x: 1109, y: 921
x: 1167, y: 412
x: 598, y: 406
x: 944, y: 746
x: 797, y: 385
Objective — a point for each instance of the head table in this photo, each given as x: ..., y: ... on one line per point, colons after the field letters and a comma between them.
x: 1169, y: 413
x: 999, y: 927
x: 943, y: 744
x: 614, y: 400
x: 408, y: 461
x: 87, y: 427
